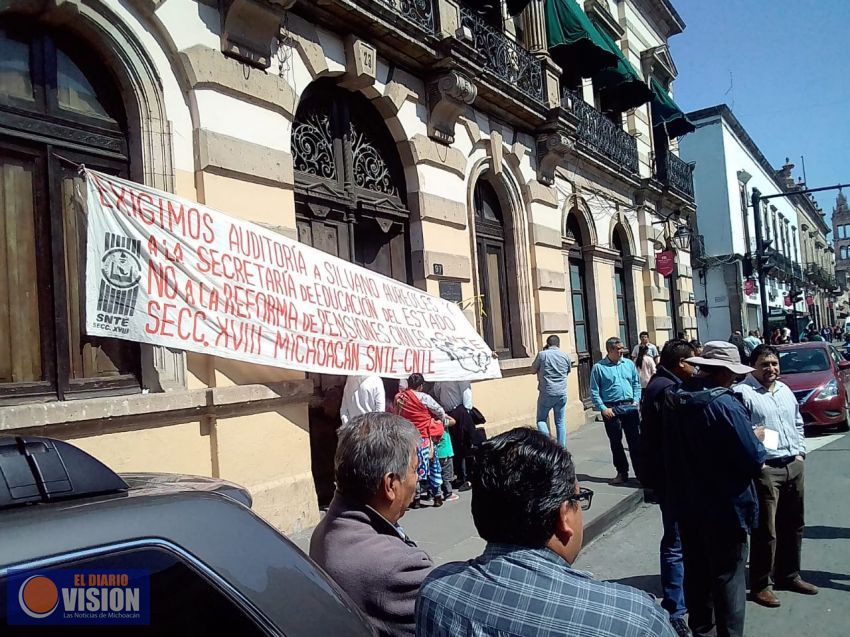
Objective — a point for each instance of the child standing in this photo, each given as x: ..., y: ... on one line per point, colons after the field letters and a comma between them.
x: 445, y: 453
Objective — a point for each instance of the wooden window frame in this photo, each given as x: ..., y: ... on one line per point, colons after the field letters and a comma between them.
x: 51, y: 136
x: 490, y: 236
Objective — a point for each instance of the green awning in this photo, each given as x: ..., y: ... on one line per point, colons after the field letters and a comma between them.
x: 620, y: 86
x: 666, y: 113
x: 575, y: 44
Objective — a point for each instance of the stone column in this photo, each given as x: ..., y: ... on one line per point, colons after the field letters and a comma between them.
x: 534, y: 26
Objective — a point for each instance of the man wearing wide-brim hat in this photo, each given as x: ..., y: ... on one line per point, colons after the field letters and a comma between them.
x: 712, y: 456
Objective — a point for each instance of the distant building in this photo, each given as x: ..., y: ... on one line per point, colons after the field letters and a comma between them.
x: 841, y: 244
x: 729, y: 166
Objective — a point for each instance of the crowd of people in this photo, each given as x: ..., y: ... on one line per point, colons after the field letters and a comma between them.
x: 446, y: 421
x: 716, y: 442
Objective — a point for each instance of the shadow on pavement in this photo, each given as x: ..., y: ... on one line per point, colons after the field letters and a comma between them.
x: 824, y: 579
x: 649, y: 583
x: 631, y: 483
x: 826, y: 533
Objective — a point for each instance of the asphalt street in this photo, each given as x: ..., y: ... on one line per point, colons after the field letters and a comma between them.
x: 628, y: 552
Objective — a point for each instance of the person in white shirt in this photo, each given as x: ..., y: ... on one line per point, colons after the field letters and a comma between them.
x: 777, y: 541
x: 653, y: 350
x: 362, y: 395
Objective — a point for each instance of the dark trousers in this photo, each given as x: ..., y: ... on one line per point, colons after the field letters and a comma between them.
x: 776, y: 543
x: 672, y: 564
x: 463, y: 441
x: 447, y: 469
x: 715, y: 579
x: 629, y: 423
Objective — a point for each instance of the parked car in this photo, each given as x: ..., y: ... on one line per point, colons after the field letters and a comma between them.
x: 174, y: 555
x: 820, y: 379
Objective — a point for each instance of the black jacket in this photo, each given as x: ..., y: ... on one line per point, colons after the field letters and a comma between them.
x: 651, y: 431
x: 711, y: 457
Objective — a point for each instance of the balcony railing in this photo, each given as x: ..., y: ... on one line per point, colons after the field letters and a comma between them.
x: 680, y: 175
x: 602, y: 135
x: 502, y: 56
x: 418, y: 12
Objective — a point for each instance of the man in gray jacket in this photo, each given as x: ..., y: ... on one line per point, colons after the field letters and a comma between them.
x: 359, y: 542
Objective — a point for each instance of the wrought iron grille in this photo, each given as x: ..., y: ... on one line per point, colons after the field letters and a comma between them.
x: 680, y: 175
x: 369, y: 167
x: 602, y: 135
x: 312, y: 145
x: 419, y: 12
x: 503, y: 57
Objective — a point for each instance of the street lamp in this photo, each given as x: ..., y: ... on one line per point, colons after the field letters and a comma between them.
x: 682, y: 238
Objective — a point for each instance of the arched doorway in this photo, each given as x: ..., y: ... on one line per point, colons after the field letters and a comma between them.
x: 623, y: 292
x: 350, y: 201
x: 59, y: 106
x: 350, y: 197
x: 583, y: 327
x: 491, y: 249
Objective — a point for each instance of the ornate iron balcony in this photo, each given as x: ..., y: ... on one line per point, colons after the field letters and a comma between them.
x: 601, y: 135
x: 680, y: 175
x: 419, y: 12
x: 502, y: 56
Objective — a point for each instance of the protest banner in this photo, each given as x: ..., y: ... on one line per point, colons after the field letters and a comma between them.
x: 171, y: 272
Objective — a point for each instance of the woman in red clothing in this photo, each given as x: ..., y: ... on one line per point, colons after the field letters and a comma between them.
x: 430, y: 419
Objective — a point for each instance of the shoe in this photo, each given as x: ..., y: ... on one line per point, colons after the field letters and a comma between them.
x: 425, y: 497
x: 621, y: 478
x: 766, y: 598
x: 438, y: 501
x: 416, y: 504
x: 681, y: 627
x: 650, y: 497
x: 452, y: 497
x: 798, y: 585
x: 466, y: 486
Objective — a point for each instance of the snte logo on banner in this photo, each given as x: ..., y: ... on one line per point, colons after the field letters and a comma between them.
x: 121, y: 272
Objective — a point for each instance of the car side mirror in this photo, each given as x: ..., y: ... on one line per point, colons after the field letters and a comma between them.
x: 844, y: 365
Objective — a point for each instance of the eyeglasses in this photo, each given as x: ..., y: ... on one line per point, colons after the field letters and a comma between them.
x: 584, y: 497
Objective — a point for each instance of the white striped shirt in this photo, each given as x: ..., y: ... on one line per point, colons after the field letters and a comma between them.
x: 778, y: 410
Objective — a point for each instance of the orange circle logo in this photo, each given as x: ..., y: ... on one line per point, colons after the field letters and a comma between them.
x: 38, y: 596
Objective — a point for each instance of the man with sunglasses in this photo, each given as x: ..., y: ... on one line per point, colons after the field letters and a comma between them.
x: 527, y: 505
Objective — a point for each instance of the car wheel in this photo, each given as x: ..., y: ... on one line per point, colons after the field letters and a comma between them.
x: 845, y: 426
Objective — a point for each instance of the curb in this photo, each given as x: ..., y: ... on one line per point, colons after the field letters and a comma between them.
x: 613, y: 515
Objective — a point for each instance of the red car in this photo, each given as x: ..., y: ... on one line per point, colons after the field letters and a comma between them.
x: 820, y: 379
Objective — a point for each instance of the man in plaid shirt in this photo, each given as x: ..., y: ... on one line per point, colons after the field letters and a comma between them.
x: 528, y: 507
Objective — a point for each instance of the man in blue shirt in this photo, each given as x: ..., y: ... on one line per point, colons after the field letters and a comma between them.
x: 552, y: 366
x: 528, y: 507
x: 711, y: 456
x: 615, y: 391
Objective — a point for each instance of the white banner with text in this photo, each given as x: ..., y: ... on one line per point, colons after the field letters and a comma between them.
x: 167, y: 271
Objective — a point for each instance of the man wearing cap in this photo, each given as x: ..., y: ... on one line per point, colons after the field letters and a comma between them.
x: 777, y: 542
x: 712, y: 456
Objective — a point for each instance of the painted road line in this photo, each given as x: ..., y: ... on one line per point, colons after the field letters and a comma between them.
x: 816, y: 443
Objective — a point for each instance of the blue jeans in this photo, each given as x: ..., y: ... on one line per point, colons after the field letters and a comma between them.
x: 672, y: 565
x: 558, y: 404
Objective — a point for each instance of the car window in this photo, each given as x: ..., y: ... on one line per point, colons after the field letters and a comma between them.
x: 172, y: 597
x: 800, y: 361
x: 835, y: 356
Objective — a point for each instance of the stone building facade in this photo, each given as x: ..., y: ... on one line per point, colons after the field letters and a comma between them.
x: 430, y: 141
x: 841, y: 247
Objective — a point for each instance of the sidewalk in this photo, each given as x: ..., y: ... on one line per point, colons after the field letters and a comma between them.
x: 448, y: 533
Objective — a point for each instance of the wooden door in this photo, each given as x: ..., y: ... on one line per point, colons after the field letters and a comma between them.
x: 581, y: 328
